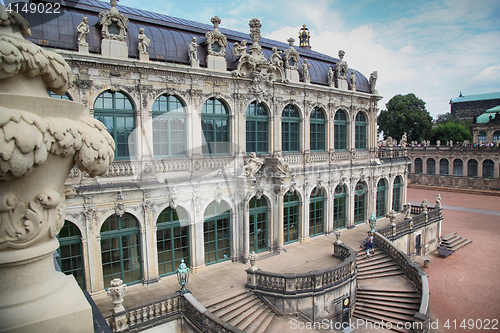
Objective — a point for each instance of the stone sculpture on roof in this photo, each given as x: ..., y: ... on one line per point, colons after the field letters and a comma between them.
x: 193, y: 53
x: 114, y: 28
x: 331, y: 76
x: 341, y: 71
x: 292, y: 59
x: 353, y: 81
x: 373, y: 82
x: 83, y: 31
x: 216, y: 46
x: 143, y: 45
x: 305, y: 71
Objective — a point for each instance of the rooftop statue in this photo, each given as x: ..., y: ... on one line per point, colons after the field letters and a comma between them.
x: 193, y: 50
x: 292, y: 57
x: 143, y: 42
x: 341, y: 68
x: 216, y: 40
x: 83, y: 30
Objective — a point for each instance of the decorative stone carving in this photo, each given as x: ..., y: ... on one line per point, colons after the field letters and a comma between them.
x: 254, y: 164
x: 305, y: 71
x: 216, y: 44
x: 193, y: 53
x: 292, y: 59
x: 403, y: 141
x: 338, y: 234
x: 120, y: 209
x: 115, y: 292
x: 407, y: 210
x: 438, y: 201
x: 143, y: 45
x: 331, y: 76
x: 252, y: 257
x: 276, y: 58
x: 392, y: 217
x: 341, y: 71
x: 373, y: 82
x: 425, y: 206
x: 353, y: 81
x: 390, y: 142
x: 114, y: 28
x: 82, y: 31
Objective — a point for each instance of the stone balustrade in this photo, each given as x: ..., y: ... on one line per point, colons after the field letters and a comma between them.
x: 413, y: 224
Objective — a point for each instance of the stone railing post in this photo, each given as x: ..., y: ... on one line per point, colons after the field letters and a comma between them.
x: 290, y: 282
x: 115, y: 292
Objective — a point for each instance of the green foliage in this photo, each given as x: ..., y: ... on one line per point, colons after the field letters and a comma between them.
x: 450, y: 131
x: 444, y: 118
x: 405, y: 114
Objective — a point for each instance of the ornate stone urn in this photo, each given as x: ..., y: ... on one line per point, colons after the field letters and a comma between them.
x: 41, y: 138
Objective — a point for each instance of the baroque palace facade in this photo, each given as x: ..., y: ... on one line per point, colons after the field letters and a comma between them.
x: 220, y: 150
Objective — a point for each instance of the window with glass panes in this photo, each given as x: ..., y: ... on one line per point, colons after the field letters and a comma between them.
x: 215, y: 126
x: 339, y: 203
x: 488, y: 169
x: 396, y: 194
x: 443, y: 167
x: 116, y: 112
x: 359, y: 203
x: 360, y: 131
x: 258, y: 224
x: 458, y: 167
x: 70, y: 252
x: 216, y: 233
x: 121, y: 250
x: 418, y: 165
x: 257, y: 128
x: 317, y: 130
x: 172, y: 240
x: 340, y: 130
x: 496, y: 136
x: 316, y: 212
x: 169, y: 127
x: 431, y: 166
x: 65, y: 96
x: 291, y: 217
x: 481, y: 137
x: 472, y: 168
x: 380, y: 205
x: 290, y: 129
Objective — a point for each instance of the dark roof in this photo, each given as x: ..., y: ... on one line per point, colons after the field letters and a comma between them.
x: 480, y: 97
x: 170, y: 37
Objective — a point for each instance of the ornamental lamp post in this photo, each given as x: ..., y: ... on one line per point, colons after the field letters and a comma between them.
x: 183, y: 276
x: 372, y: 221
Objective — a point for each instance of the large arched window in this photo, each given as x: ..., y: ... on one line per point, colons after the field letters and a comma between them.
x: 396, y: 194
x: 418, y: 165
x: 258, y: 224
x: 116, y: 112
x: 472, y: 168
x: 339, y: 203
x: 481, y: 137
x: 496, y: 136
x: 257, y: 128
x: 172, y: 240
x: 290, y: 130
x: 169, y: 127
x: 360, y: 131
x: 291, y: 217
x: 431, y: 166
x: 444, y: 167
x: 215, y: 126
x: 316, y: 212
x: 458, y: 167
x: 217, y: 233
x: 317, y: 130
x: 121, y: 250
x: 340, y: 130
x: 381, y: 196
x: 488, y: 169
x: 359, y: 203
x: 70, y: 252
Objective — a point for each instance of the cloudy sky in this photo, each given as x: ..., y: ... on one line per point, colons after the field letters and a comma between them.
x: 434, y: 49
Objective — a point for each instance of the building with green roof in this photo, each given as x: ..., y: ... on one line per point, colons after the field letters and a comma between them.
x: 466, y: 107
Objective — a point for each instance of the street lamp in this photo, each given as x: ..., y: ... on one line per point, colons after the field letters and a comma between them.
x: 183, y: 276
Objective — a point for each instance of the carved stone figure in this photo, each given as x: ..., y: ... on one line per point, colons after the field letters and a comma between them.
x: 438, y: 201
x: 392, y: 217
x: 305, y: 69
x: 252, y: 257
x: 240, y: 50
x: 143, y: 42
x: 338, y: 234
x: 331, y: 75
x: 253, y: 165
x: 373, y: 82
x: 341, y: 68
x: 390, y: 142
x: 114, y: 25
x: 282, y: 165
x: 353, y: 81
x: 276, y: 57
x: 292, y: 57
x: 216, y: 41
x: 407, y: 210
x: 403, y: 141
x: 193, y: 50
x: 425, y: 205
x: 83, y: 30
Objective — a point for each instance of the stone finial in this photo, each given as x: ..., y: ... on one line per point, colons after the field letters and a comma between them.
x: 338, y: 234
x: 252, y: 257
x: 392, y: 217
x: 216, y: 41
x: 304, y: 36
x: 115, y: 292
x: 114, y: 25
x: 425, y: 205
x: 83, y: 30
x: 291, y: 41
x: 438, y: 201
x: 216, y: 21
x: 255, y: 30
x: 390, y: 142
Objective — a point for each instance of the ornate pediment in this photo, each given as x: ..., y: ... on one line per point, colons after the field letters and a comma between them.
x: 215, y: 40
x: 114, y: 25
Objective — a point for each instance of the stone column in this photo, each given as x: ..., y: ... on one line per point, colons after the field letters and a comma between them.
x: 304, y: 220
x: 198, y: 257
x: 278, y: 222
x: 246, y: 230
x: 305, y: 140
x: 43, y: 138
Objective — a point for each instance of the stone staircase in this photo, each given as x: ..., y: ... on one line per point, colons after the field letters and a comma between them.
x: 245, y: 311
x: 453, y: 242
x: 384, y: 293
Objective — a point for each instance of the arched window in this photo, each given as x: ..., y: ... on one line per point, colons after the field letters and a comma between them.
x: 359, y: 203
x: 418, y: 165
x: 472, y: 168
x: 172, y: 240
x: 431, y: 166
x: 290, y: 130
x: 396, y: 194
x: 496, y: 136
x: 258, y: 224
x: 215, y: 126
x: 488, y: 169
x: 318, y: 133
x: 121, y: 250
x: 316, y: 212
x: 70, y: 252
x: 291, y: 217
x: 458, y: 167
x: 217, y: 233
x: 169, y: 127
x: 381, y: 190
x: 481, y: 137
x: 66, y: 96
x: 443, y: 167
x: 360, y: 132
x: 116, y: 112
x: 257, y: 128
x: 339, y: 204
x: 340, y: 130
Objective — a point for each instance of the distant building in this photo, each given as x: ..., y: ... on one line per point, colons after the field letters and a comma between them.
x: 466, y: 107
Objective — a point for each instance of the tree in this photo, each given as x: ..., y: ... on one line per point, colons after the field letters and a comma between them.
x: 455, y: 132
x: 405, y: 114
x: 444, y: 118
